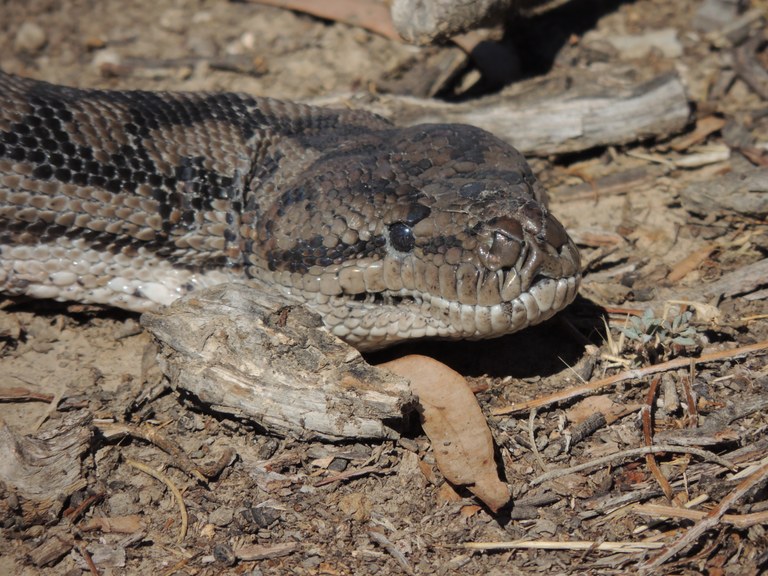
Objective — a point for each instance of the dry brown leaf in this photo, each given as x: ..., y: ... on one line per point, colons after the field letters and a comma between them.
x: 455, y: 425
x: 469, y: 511
x: 373, y: 16
x: 446, y: 494
x: 592, y: 404
x: 428, y: 472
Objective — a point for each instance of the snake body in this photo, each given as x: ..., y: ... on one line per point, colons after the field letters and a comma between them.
x: 133, y: 199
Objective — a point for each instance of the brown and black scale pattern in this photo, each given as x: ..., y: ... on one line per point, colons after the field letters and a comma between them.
x: 125, y: 143
x: 333, y: 206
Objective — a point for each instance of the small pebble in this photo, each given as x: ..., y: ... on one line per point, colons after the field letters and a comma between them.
x: 224, y: 554
x: 174, y: 20
x: 30, y: 38
x: 221, y: 517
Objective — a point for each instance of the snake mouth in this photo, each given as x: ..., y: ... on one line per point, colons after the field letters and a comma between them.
x: 399, y: 297
x: 375, y: 320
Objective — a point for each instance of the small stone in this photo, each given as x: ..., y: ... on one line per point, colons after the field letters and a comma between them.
x: 122, y: 504
x: 224, y: 554
x: 174, y: 20
x: 30, y: 38
x: 106, y: 58
x: 356, y: 506
x: 221, y: 517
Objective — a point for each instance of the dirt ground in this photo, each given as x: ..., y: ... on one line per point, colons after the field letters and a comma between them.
x: 643, y: 247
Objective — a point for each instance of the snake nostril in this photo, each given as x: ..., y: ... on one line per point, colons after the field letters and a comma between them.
x: 506, y: 226
x: 504, y: 243
x: 506, y: 250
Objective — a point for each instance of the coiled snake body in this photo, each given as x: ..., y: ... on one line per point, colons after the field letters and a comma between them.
x: 133, y: 199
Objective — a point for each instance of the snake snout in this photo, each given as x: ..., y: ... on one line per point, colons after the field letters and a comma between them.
x: 530, y: 245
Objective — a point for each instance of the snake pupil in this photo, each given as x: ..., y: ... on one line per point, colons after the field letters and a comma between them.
x: 401, y: 237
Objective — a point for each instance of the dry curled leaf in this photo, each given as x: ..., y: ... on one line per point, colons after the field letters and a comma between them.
x: 455, y: 425
x: 591, y: 405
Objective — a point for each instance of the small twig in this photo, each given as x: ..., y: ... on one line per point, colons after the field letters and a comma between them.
x: 532, y: 440
x: 575, y: 391
x: 739, y: 520
x: 172, y: 487
x: 625, y: 547
x: 399, y: 557
x: 712, y: 518
x: 632, y: 453
x: 73, y: 515
x: 650, y: 459
x: 181, y: 460
x: 87, y: 557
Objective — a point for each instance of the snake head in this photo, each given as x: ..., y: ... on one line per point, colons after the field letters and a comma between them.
x: 437, y: 231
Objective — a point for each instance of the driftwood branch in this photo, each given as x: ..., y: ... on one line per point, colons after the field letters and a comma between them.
x: 44, y: 469
x: 744, y: 192
x: 569, y: 122
x: 248, y: 353
x: 557, y: 116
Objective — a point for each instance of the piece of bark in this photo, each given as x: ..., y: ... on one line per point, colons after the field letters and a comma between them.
x: 748, y: 65
x: 572, y: 123
x: 250, y: 353
x: 742, y: 281
x: 45, y: 469
x: 52, y: 549
x: 743, y: 192
x: 554, y: 117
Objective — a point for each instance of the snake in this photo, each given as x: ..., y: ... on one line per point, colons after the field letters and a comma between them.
x: 133, y: 199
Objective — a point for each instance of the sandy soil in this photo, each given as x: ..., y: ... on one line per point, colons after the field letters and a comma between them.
x: 91, y: 359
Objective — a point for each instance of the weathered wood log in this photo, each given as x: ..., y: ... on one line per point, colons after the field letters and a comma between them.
x: 571, y: 120
x: 742, y: 192
x: 45, y: 469
x: 246, y: 352
x: 557, y: 116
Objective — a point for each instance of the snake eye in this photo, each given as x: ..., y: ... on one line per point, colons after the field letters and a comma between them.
x: 401, y: 237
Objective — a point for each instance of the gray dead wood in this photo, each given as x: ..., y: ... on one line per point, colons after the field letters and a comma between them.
x: 559, y: 116
x: 54, y: 547
x: 250, y: 353
x: 45, y: 469
x: 742, y: 281
x: 742, y: 192
x: 570, y: 122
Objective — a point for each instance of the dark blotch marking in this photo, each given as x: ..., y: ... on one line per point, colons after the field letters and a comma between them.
x: 417, y: 213
x: 43, y: 172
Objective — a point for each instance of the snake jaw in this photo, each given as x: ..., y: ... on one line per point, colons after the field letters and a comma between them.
x: 510, y: 283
